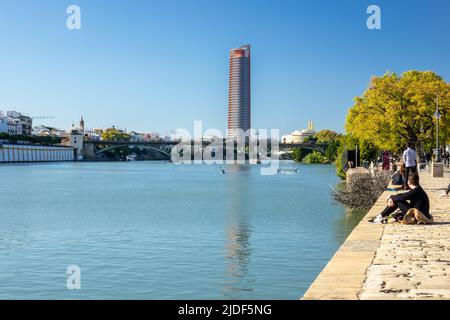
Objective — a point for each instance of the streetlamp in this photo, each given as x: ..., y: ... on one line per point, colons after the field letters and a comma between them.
x: 437, y: 115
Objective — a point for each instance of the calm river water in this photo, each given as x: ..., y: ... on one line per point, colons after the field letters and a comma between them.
x: 156, y: 230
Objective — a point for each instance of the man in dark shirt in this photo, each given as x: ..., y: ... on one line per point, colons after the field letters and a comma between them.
x: 414, y: 198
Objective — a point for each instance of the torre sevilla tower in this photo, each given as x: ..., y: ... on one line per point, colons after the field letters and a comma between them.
x: 239, y: 92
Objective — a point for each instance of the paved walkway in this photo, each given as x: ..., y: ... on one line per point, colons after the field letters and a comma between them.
x: 392, y: 261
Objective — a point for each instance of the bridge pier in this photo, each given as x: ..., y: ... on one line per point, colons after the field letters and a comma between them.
x: 88, y: 150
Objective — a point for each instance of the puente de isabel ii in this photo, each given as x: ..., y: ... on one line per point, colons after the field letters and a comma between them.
x: 162, y: 150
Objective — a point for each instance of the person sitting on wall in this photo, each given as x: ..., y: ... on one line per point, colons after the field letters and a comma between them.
x: 416, y: 198
x: 398, y: 178
x: 347, y: 166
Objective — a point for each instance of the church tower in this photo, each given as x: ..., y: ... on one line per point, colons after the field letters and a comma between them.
x: 82, y: 123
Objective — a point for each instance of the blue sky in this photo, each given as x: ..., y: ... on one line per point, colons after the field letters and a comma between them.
x: 160, y: 65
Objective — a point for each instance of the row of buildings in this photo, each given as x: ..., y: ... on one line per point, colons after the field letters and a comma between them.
x: 94, y: 134
x: 15, y: 123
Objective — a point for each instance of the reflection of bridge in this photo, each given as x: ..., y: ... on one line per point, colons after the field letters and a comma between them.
x: 99, y: 149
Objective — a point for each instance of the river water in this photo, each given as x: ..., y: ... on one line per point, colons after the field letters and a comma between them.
x: 156, y: 230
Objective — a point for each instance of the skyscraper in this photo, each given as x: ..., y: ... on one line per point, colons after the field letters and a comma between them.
x: 239, y: 91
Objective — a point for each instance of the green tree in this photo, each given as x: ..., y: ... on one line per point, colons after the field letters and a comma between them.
x: 310, y: 139
x: 112, y: 134
x: 299, y: 153
x: 331, y: 139
x: 347, y: 142
x: 367, y: 151
x: 315, y: 157
x: 325, y: 136
x: 397, y: 109
x: 331, y: 150
x: 45, y: 140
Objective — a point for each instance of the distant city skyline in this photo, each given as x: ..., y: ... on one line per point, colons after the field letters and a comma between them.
x: 160, y: 65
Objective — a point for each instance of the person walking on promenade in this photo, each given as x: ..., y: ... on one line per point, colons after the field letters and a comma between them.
x: 446, y: 159
x: 428, y: 157
x: 418, y: 200
x: 409, y: 159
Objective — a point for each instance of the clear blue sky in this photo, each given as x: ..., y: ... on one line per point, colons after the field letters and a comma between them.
x: 160, y: 65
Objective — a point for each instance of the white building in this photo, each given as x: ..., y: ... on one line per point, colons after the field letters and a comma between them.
x: 136, y: 137
x: 93, y: 135
x: 16, y: 122
x: 76, y: 139
x: 45, y: 131
x: 76, y: 136
x: 14, y: 126
x: 299, y: 136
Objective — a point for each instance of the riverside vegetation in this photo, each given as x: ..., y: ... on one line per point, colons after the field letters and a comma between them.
x: 362, y: 190
x: 394, y: 110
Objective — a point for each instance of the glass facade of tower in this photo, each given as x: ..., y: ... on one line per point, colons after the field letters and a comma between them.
x: 239, y: 91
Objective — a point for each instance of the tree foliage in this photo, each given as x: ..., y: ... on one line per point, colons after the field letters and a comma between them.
x: 299, y: 153
x: 45, y: 140
x: 315, y: 157
x: 310, y: 139
x: 112, y: 134
x: 397, y: 109
x: 331, y: 150
x: 332, y: 140
x: 367, y: 151
x: 328, y: 137
x: 325, y: 136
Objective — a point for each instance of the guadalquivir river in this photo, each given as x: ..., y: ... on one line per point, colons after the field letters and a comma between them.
x: 156, y: 230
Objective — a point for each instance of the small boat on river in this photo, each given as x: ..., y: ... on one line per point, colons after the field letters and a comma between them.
x: 288, y: 170
x: 131, y: 157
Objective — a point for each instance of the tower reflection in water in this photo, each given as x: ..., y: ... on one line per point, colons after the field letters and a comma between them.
x: 238, y: 279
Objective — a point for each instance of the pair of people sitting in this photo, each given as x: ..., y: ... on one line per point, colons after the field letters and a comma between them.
x: 414, y: 205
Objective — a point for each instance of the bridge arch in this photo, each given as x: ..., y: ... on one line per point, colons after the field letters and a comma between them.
x: 165, y: 150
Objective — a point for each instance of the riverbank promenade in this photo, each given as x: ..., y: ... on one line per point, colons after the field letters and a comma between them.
x: 392, y: 261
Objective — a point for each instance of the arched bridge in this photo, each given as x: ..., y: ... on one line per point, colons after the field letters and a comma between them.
x: 100, y: 149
